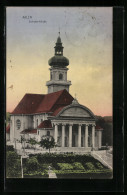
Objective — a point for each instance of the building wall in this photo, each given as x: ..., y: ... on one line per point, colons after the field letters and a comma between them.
x: 26, y: 123
x: 98, y: 138
x: 41, y: 132
x: 56, y: 71
x: 7, y: 136
x: 38, y: 118
x: 54, y: 88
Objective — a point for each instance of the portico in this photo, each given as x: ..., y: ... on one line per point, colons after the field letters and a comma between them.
x: 77, y: 134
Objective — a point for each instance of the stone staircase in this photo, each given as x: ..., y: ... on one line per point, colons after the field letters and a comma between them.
x: 104, y: 157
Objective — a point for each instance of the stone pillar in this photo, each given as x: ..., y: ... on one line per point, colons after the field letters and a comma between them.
x: 56, y: 132
x: 99, y: 138
x: 63, y: 135
x: 79, y: 135
x: 86, y: 136
x: 70, y: 135
x: 93, y: 136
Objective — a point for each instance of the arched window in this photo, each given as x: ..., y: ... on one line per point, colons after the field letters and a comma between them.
x: 48, y: 133
x: 60, y: 76
x: 18, y: 123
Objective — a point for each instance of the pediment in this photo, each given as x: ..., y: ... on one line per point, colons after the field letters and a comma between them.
x: 76, y: 111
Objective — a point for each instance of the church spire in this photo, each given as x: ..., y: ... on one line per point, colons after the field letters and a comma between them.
x: 59, y: 47
x: 58, y: 71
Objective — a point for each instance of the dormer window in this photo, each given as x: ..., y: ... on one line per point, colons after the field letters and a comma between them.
x: 60, y: 77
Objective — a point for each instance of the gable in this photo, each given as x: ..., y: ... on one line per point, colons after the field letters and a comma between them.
x: 75, y: 112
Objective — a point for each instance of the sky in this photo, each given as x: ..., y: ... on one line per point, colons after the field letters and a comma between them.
x: 86, y: 34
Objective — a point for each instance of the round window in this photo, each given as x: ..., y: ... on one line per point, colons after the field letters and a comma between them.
x: 18, y: 124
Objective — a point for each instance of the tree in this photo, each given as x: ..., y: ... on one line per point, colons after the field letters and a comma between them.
x: 47, y: 142
x: 33, y: 142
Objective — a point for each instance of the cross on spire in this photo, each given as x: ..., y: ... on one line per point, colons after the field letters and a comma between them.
x: 59, y: 31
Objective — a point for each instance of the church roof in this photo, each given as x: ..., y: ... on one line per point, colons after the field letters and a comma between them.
x: 45, y: 124
x: 29, y: 131
x: 8, y: 129
x: 37, y: 103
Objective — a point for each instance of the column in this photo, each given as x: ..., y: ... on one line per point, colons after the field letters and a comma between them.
x: 86, y: 136
x: 70, y: 135
x: 56, y: 132
x: 63, y: 135
x: 99, y: 138
x: 79, y: 135
x: 93, y: 136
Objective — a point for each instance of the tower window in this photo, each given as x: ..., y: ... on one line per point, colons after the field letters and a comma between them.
x: 18, y: 124
x: 60, y: 77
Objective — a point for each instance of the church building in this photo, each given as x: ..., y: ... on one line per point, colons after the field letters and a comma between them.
x: 56, y: 113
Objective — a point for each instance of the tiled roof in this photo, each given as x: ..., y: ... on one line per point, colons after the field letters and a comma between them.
x: 37, y: 103
x: 8, y: 129
x: 29, y: 131
x: 98, y: 127
x: 45, y: 124
x: 57, y: 110
x: 28, y: 104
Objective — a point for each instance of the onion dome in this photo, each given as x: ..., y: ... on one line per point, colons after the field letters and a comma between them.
x: 58, y: 59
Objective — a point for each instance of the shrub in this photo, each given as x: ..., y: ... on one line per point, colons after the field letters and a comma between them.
x: 13, y: 165
x: 78, y: 166
x: 65, y: 166
x: 9, y: 148
x: 32, y: 164
x: 90, y: 165
x: 99, y: 165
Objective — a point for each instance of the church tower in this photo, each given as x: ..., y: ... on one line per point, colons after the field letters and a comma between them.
x: 58, y: 71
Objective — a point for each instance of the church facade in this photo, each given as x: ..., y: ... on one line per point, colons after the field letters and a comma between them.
x: 56, y: 113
